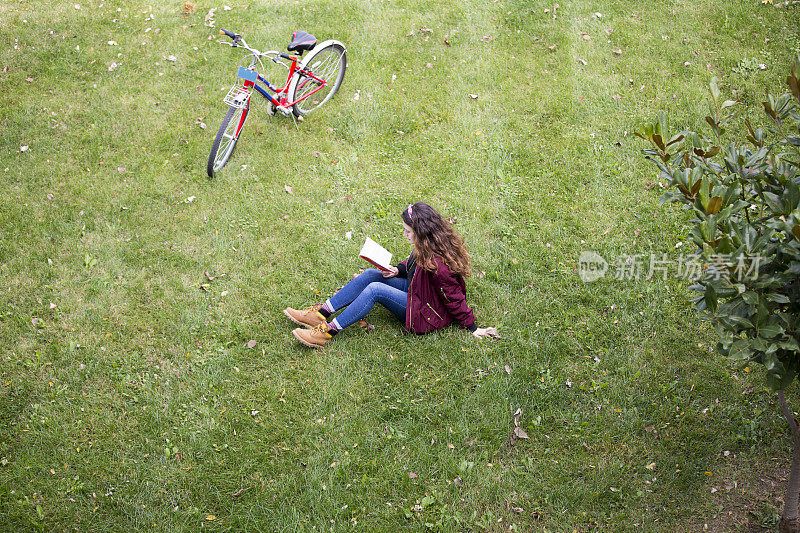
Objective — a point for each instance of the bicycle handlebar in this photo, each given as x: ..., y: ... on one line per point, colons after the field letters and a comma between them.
x: 223, y: 31
x: 288, y: 56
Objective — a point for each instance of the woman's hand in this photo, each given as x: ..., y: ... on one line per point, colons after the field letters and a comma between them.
x: 483, y: 333
x: 391, y: 273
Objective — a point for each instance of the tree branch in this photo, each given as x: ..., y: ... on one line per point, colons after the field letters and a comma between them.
x: 787, y: 413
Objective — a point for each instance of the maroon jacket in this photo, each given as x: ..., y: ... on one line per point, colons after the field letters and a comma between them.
x: 435, y: 299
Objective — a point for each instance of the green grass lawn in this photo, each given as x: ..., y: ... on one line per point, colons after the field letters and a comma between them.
x: 129, y: 399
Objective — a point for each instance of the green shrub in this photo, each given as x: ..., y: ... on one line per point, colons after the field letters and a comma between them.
x: 745, y: 200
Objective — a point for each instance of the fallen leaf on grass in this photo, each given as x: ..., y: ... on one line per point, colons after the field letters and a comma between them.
x: 487, y: 38
x: 209, y: 277
x: 289, y: 189
x: 581, y: 61
x: 188, y: 7
x: 650, y: 466
x: 617, y: 52
x: 552, y: 47
x: 586, y: 35
x: 363, y: 324
x: 458, y: 481
x: 189, y: 200
x: 172, y: 58
x: 252, y: 343
x: 238, y: 493
x: 24, y: 148
x: 113, y: 66
x: 209, y: 18
x: 29, y: 80
x: 520, y: 433
x: 121, y: 170
x: 204, y: 287
x: 508, y: 369
x: 473, y: 96
x: 412, y: 475
x: 446, y: 42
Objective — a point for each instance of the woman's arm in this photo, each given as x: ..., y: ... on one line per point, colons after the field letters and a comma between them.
x: 402, y: 270
x: 453, y: 297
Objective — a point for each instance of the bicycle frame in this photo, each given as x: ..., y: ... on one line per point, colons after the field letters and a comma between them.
x: 281, y: 101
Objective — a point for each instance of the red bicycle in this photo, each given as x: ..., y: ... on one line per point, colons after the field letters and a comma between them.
x: 309, y: 84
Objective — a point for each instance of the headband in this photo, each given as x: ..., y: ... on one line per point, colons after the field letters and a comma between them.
x: 410, y: 217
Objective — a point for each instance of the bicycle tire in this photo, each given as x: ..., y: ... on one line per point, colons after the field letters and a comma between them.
x: 329, y: 62
x: 229, y: 130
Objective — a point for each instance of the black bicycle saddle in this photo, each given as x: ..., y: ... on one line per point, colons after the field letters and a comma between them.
x: 302, y: 42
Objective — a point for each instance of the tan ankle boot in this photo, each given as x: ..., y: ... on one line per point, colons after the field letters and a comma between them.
x: 310, y: 316
x: 316, y: 337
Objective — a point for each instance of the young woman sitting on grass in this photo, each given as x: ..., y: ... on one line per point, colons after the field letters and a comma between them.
x: 426, y: 291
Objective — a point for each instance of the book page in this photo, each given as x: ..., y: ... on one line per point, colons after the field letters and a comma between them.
x: 376, y: 254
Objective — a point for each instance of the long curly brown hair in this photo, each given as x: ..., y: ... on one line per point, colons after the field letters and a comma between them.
x: 435, y: 237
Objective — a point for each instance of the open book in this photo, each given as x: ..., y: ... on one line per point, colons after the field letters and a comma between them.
x: 376, y: 254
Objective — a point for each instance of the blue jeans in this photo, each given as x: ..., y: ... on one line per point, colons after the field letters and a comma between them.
x: 367, y: 289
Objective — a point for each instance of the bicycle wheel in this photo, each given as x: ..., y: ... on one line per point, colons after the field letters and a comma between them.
x: 327, y: 62
x: 226, y: 138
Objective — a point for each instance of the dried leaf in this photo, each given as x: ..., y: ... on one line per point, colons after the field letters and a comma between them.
x: 289, y: 189
x: 238, y: 492
x: 204, y: 287
x: 473, y: 96
x: 520, y: 433
x: 24, y: 148
x: 508, y: 370
x: 412, y: 475
x: 188, y: 7
x: 172, y: 58
x: 252, y: 343
x: 487, y: 38
x: 617, y: 51
x: 582, y: 61
x: 585, y: 35
x: 458, y: 481
x: 363, y: 324
x: 651, y: 466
